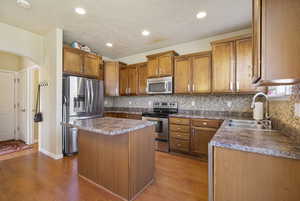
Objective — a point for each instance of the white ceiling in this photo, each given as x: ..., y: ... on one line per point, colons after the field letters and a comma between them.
x: 121, y: 21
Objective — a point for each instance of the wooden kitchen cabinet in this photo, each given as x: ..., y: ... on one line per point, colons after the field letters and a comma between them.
x: 182, y: 75
x: 142, y: 78
x: 276, y: 42
x: 191, y: 136
x: 241, y: 175
x: 161, y: 64
x: 232, y: 65
x: 244, y: 65
x: 192, y: 73
x: 200, y: 138
x: 223, y: 67
x: 111, y: 77
x: 123, y: 81
x: 78, y: 62
x: 128, y: 80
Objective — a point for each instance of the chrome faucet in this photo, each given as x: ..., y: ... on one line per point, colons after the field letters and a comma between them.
x: 267, y: 116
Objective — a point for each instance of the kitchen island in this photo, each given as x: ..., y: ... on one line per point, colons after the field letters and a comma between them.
x: 116, y: 154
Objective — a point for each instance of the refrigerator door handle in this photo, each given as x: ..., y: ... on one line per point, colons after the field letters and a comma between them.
x: 92, y: 97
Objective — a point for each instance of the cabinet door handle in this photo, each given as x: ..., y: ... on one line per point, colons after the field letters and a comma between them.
x: 237, y: 85
x: 188, y: 87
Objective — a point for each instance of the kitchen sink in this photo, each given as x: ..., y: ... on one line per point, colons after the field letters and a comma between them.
x: 250, y: 124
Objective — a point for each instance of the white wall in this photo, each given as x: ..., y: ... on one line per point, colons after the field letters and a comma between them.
x: 51, y: 96
x: 183, y: 48
x: 10, y: 62
x: 20, y: 42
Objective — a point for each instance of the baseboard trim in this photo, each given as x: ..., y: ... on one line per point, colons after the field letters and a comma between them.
x: 54, y: 156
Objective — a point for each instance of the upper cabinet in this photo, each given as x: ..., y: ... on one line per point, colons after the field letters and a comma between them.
x: 223, y: 66
x: 142, y: 78
x: 112, y: 77
x: 128, y: 80
x: 78, y: 62
x: 162, y: 64
x: 232, y: 65
x: 192, y: 73
x: 276, y: 42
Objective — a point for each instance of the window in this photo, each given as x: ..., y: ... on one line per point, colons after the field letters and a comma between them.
x: 281, y: 92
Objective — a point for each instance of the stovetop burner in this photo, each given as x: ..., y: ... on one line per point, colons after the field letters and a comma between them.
x: 162, y: 109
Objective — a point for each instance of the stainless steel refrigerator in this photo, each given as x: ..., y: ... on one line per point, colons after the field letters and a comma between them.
x: 82, y: 99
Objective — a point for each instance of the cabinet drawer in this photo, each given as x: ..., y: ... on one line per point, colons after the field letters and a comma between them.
x: 180, y: 128
x: 181, y: 121
x: 134, y: 116
x: 206, y: 123
x: 179, y: 145
x: 180, y: 135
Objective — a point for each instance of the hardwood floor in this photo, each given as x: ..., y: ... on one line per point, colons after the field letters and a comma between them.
x: 36, y: 177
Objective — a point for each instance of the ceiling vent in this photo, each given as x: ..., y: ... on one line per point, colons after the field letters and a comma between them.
x: 23, y: 4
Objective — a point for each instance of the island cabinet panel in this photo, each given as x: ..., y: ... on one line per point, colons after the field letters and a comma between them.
x: 142, y: 77
x: 122, y: 164
x: 276, y: 42
x: 247, y: 176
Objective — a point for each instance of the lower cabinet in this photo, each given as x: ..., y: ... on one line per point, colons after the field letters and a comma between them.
x: 191, y: 136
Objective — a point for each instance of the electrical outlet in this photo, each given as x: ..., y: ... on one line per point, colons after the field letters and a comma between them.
x: 150, y: 103
x: 193, y: 103
x: 229, y: 103
x: 297, y: 109
x: 129, y: 102
x: 105, y: 102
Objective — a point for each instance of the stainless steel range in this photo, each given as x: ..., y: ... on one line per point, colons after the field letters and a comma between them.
x: 160, y: 114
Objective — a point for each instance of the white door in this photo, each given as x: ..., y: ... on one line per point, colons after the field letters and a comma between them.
x: 7, y: 113
x: 22, y: 106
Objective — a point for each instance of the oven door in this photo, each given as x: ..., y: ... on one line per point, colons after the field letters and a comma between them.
x: 162, y: 133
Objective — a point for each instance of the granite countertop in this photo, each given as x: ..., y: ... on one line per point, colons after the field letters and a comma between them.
x: 273, y: 142
x: 109, y: 125
x: 187, y: 113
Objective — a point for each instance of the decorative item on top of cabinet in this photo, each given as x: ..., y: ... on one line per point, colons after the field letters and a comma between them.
x: 192, y: 73
x: 142, y: 77
x: 161, y: 64
x: 128, y: 80
x: 81, y: 63
x: 111, y: 77
x: 232, y: 65
x: 276, y: 42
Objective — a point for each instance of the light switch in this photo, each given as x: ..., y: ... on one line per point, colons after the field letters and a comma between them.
x: 297, y: 109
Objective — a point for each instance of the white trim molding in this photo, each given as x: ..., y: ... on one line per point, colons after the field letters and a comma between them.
x: 51, y: 155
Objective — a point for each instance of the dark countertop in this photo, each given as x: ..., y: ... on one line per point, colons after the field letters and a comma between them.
x: 109, y: 126
x: 272, y: 143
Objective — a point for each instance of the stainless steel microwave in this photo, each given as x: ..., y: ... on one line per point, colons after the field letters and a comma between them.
x: 162, y: 85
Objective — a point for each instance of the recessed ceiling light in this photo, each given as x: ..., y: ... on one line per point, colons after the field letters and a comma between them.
x: 109, y: 44
x: 201, y: 15
x: 145, y: 33
x: 23, y: 3
x: 80, y: 11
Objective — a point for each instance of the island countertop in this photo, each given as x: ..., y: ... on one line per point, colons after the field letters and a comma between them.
x: 109, y: 125
x: 272, y: 143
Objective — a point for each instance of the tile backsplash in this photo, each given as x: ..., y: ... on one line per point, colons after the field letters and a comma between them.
x: 234, y: 103
x: 283, y: 115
